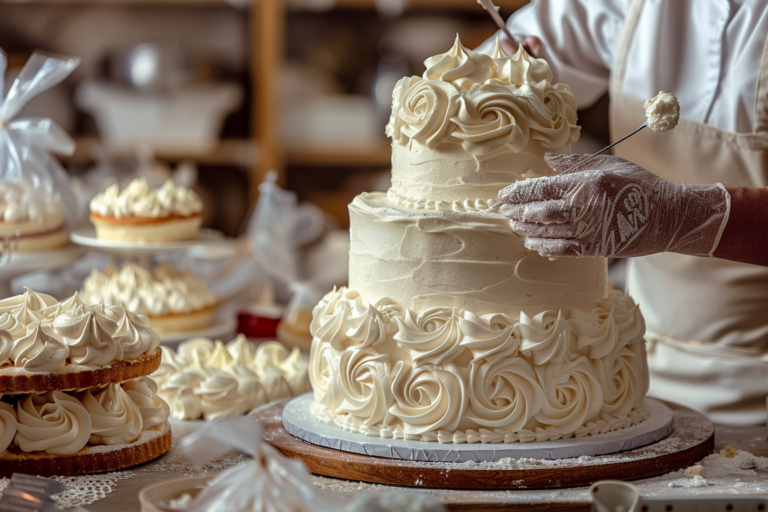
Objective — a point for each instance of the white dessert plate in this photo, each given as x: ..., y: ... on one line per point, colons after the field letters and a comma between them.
x: 222, y: 328
x: 87, y: 238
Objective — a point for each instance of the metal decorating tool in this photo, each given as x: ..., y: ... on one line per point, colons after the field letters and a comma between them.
x: 494, y: 12
x: 582, y: 162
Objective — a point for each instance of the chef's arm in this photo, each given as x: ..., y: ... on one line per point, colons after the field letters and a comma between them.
x: 745, y: 237
x: 615, y: 208
x: 576, y: 37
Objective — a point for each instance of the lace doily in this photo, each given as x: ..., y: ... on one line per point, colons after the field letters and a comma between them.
x: 82, y: 490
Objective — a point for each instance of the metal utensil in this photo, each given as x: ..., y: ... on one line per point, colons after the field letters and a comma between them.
x: 582, y: 162
x: 494, y: 12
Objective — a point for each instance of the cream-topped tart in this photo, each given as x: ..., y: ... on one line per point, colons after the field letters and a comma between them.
x: 173, y: 301
x: 140, y: 214
x: 34, y: 215
x: 75, y: 393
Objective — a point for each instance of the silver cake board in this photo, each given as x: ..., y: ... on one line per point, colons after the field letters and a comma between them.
x: 299, y: 421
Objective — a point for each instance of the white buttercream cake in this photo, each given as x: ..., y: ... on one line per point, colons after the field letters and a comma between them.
x: 173, y: 301
x: 450, y: 329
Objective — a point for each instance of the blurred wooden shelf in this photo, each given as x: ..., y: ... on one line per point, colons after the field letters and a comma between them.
x: 242, y: 152
x: 158, y: 3
x: 369, y: 156
x: 433, y: 4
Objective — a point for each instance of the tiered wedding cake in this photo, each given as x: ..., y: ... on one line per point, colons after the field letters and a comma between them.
x: 451, y: 330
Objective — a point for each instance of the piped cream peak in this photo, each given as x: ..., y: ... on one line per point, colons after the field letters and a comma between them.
x: 460, y: 65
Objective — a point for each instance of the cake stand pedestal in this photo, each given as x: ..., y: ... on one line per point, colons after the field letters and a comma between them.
x: 20, y: 263
x: 692, y: 438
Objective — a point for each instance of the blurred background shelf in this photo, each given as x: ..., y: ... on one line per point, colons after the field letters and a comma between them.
x: 240, y: 152
x: 378, y: 155
x: 315, y: 76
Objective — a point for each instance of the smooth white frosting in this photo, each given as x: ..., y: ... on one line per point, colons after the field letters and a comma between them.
x: 472, y: 125
x: 160, y: 291
x: 208, y: 379
x: 139, y: 200
x: 471, y: 261
x: 445, y: 374
x: 662, y: 112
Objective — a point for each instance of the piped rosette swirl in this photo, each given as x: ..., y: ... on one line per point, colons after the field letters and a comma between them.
x: 475, y: 111
x: 449, y: 375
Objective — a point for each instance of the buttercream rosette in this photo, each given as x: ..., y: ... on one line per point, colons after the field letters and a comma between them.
x: 450, y: 375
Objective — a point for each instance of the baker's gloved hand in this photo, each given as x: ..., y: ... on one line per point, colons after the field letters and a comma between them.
x: 613, y: 208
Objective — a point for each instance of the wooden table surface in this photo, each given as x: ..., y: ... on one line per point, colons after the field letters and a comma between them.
x: 753, y: 439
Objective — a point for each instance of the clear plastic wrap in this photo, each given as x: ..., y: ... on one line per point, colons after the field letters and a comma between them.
x: 271, y: 482
x: 33, y: 182
x: 278, y: 232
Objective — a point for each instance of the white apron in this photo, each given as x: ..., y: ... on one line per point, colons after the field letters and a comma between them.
x: 707, y: 318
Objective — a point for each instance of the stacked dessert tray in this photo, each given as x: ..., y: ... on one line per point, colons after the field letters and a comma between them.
x: 222, y: 327
x: 672, y: 438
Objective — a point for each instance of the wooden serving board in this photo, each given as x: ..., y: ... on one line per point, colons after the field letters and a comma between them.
x: 692, y: 440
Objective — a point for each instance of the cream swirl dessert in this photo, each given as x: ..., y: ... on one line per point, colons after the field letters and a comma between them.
x: 451, y: 330
x: 40, y: 335
x: 33, y: 213
x: 61, y: 423
x: 76, y: 376
x: 140, y: 214
x: 173, y: 301
x: 208, y: 379
x: 662, y: 112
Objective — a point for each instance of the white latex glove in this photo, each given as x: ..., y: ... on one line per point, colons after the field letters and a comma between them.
x: 615, y: 208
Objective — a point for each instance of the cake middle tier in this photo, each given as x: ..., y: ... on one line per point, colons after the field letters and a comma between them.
x: 471, y: 261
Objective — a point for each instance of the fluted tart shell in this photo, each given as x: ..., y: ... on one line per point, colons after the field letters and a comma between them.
x: 91, y: 459
x: 22, y: 381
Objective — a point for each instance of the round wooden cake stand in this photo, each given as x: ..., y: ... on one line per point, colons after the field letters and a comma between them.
x: 692, y: 440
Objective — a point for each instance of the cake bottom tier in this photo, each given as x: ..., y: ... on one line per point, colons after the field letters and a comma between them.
x: 448, y: 375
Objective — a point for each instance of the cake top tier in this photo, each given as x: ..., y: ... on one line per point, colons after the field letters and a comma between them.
x: 458, y: 130
x: 484, y: 102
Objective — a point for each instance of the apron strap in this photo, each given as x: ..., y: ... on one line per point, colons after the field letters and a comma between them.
x: 625, y: 40
x: 761, y: 95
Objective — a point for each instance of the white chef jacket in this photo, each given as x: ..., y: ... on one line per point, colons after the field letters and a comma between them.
x: 707, y: 52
